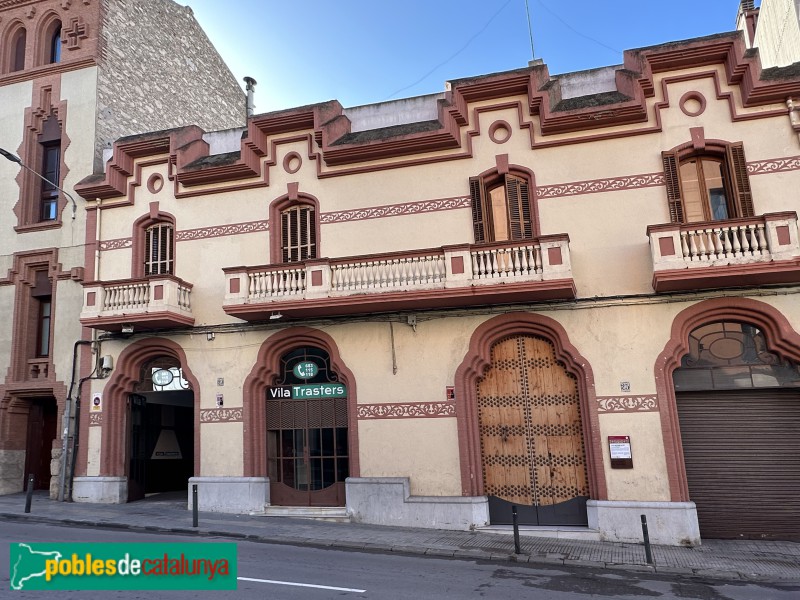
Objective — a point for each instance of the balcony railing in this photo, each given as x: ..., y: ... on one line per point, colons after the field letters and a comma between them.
x: 732, y: 253
x: 152, y: 303
x: 533, y: 270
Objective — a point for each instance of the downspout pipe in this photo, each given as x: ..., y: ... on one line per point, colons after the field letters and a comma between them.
x: 65, y: 423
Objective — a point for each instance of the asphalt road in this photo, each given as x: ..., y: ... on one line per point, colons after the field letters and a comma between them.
x: 268, y: 571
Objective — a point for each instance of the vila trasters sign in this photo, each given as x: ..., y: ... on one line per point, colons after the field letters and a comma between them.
x: 306, y: 390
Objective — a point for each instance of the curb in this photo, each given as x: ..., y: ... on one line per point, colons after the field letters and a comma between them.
x: 458, y: 553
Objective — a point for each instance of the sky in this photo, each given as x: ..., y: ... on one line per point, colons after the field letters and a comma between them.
x: 366, y: 51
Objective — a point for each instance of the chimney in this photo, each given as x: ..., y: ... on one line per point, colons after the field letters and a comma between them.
x: 251, y: 88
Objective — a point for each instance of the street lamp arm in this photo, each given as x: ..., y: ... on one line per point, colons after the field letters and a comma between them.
x: 16, y: 159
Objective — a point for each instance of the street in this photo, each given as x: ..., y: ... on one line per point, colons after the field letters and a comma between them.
x: 289, y: 572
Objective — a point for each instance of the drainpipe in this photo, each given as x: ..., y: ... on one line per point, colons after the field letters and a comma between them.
x: 66, y: 422
x: 251, y: 89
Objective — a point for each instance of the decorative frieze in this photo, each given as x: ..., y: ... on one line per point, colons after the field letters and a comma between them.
x: 221, y: 415
x: 595, y: 186
x: 396, y: 210
x: 406, y: 410
x: 95, y: 419
x: 627, y: 404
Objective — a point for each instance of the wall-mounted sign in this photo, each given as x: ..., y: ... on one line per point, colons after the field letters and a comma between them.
x: 619, y: 447
x: 305, y: 370
x: 450, y: 393
x: 163, y: 377
x: 305, y: 391
x: 97, y: 402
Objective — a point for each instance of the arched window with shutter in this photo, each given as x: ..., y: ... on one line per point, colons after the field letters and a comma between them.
x: 298, y: 233
x: 294, y: 228
x: 502, y: 207
x: 159, y: 249
x: 707, y: 184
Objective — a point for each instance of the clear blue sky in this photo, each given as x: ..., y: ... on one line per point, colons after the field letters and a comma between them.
x: 365, y: 51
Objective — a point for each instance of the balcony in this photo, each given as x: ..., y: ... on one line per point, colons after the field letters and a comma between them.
x: 722, y: 254
x: 455, y: 276
x: 161, y: 302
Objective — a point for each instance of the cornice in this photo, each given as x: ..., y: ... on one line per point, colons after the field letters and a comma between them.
x: 325, y: 124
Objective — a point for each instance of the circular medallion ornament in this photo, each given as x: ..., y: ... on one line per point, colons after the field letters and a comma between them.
x: 163, y: 377
x: 305, y: 369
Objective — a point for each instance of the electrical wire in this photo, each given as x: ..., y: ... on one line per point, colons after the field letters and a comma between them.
x: 575, y: 31
x: 459, y: 51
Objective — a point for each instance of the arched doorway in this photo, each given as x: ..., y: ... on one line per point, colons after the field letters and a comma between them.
x: 738, y: 405
x: 160, y: 429
x: 531, y: 435
x: 307, y: 431
x: 134, y: 378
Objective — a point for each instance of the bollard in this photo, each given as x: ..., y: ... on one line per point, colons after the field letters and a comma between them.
x: 516, y: 530
x: 648, y: 553
x: 29, y: 493
x: 194, y: 505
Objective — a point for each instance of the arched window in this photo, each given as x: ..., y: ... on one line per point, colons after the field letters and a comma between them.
x: 708, y: 184
x: 17, y: 50
x: 501, y: 208
x: 298, y: 233
x: 728, y: 355
x: 159, y: 249
x: 54, y: 43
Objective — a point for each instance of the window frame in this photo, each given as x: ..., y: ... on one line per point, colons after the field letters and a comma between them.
x: 739, y: 196
x: 17, y: 50
x: 521, y: 211
x: 140, y: 250
x: 159, y: 260
x: 277, y: 208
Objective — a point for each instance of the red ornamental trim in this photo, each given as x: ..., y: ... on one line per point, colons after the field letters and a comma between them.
x: 221, y: 415
x: 221, y: 230
x: 596, y: 186
x: 406, y: 410
x: 627, y: 404
x: 117, y: 244
x: 396, y: 210
x: 791, y: 163
x: 95, y: 419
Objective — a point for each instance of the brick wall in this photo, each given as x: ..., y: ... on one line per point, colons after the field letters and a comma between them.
x: 159, y: 70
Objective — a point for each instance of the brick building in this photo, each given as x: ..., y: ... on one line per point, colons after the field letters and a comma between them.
x: 74, y: 76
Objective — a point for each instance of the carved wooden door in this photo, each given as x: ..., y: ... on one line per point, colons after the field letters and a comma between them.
x: 531, y: 436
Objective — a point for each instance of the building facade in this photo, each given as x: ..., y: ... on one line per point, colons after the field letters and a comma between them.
x: 75, y: 76
x: 575, y: 294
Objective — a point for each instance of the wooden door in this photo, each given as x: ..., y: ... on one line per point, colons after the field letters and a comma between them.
x: 42, y: 430
x: 531, y: 436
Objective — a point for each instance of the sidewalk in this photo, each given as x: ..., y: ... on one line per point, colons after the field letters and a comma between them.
x: 726, y: 559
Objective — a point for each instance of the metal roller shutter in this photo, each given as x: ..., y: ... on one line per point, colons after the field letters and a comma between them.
x: 742, y: 455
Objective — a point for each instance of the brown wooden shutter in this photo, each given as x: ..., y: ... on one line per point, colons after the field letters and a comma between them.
x: 285, y: 236
x: 478, y: 209
x: 741, y: 181
x: 519, y: 208
x: 672, y: 179
x: 312, y: 233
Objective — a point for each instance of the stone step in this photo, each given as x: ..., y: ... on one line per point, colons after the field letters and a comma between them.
x: 337, y: 514
x: 560, y: 532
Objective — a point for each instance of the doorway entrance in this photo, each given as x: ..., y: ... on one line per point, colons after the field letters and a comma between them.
x: 161, y: 431
x: 307, y: 435
x: 41, y: 431
x: 531, y: 436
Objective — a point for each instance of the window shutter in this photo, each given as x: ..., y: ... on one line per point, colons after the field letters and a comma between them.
x: 285, y: 236
x: 738, y: 168
x: 478, y: 209
x: 148, y: 251
x: 519, y: 208
x: 672, y: 179
x: 311, y: 226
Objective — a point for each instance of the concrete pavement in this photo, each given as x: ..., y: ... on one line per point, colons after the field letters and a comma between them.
x: 166, y: 513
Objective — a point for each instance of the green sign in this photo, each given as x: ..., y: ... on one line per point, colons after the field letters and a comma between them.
x: 307, y: 390
x: 305, y: 370
x: 98, y: 566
